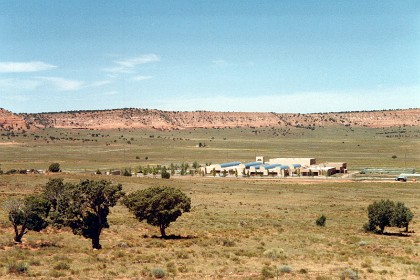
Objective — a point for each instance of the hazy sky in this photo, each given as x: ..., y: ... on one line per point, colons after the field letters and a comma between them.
x: 274, y: 56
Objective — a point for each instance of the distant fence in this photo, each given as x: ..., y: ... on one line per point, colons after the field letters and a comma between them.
x: 395, y: 171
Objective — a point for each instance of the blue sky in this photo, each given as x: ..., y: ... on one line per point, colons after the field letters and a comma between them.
x: 266, y: 56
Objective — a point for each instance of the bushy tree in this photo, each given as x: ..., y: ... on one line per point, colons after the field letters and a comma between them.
x: 321, y: 221
x: 164, y: 173
x: 159, y: 206
x: 85, y: 208
x: 401, y: 216
x: 195, y: 165
x: 53, y: 190
x: 380, y: 214
x: 26, y: 214
x: 54, y: 167
x: 127, y: 172
x: 388, y: 213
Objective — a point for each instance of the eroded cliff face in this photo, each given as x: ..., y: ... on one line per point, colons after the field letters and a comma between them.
x: 156, y: 119
x: 10, y: 121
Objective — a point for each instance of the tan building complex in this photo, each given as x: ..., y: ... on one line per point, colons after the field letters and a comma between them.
x: 277, y: 167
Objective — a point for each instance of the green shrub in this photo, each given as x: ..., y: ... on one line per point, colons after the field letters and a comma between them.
x: 62, y: 266
x: 274, y: 253
x: 267, y: 272
x: 158, y: 273
x: 54, y: 167
x: 349, y: 274
x: 285, y: 269
x: 165, y: 174
x: 369, y: 227
x: 303, y: 271
x: 17, y: 268
x: 228, y: 243
x: 321, y: 221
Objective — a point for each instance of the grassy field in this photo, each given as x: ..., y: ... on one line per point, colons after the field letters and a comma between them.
x: 88, y: 150
x: 238, y: 228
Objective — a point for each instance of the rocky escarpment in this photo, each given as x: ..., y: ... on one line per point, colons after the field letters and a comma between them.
x: 157, y: 119
x: 10, y: 121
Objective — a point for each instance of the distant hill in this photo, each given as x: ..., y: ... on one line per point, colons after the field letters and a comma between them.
x: 157, y: 119
x: 10, y: 121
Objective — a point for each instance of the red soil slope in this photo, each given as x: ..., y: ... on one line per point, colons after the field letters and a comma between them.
x: 144, y: 118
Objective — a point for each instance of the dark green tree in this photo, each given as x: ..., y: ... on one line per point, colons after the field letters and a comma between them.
x: 26, y: 214
x: 213, y: 172
x: 127, y: 172
x: 159, y: 206
x: 321, y: 221
x: 164, y: 173
x: 172, y: 167
x: 402, y: 216
x: 54, y: 167
x: 195, y: 165
x: 53, y: 190
x: 380, y: 214
x: 85, y: 208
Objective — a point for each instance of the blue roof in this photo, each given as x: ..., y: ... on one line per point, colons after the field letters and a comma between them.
x: 295, y: 165
x: 249, y: 164
x: 270, y: 166
x: 229, y: 164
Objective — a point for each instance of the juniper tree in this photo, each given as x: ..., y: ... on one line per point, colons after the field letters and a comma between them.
x: 159, y: 206
x: 30, y: 213
x: 85, y: 208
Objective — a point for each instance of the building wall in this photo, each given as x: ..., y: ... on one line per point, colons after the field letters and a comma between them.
x: 289, y: 161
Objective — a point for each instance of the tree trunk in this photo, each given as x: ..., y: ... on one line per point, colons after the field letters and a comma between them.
x: 382, y: 228
x: 19, y: 235
x: 162, y: 231
x: 95, y: 243
x: 95, y: 240
x: 406, y: 228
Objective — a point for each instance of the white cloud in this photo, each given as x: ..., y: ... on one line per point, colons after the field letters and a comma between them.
x: 12, y: 84
x: 127, y: 66
x: 20, y: 67
x: 134, y: 61
x: 118, y: 70
x: 300, y: 102
x: 100, y: 83
x: 142, y: 78
x: 62, y: 84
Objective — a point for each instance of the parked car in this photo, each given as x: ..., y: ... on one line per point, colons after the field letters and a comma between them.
x: 401, y: 178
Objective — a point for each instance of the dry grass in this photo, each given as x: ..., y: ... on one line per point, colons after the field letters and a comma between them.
x: 88, y: 150
x: 237, y: 228
x: 241, y: 229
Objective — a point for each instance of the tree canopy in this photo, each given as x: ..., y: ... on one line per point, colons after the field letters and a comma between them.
x: 386, y: 213
x: 159, y: 206
x: 30, y: 213
x: 54, y: 167
x: 84, y: 207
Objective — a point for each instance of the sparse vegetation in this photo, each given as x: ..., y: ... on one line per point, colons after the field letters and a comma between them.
x: 232, y: 222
